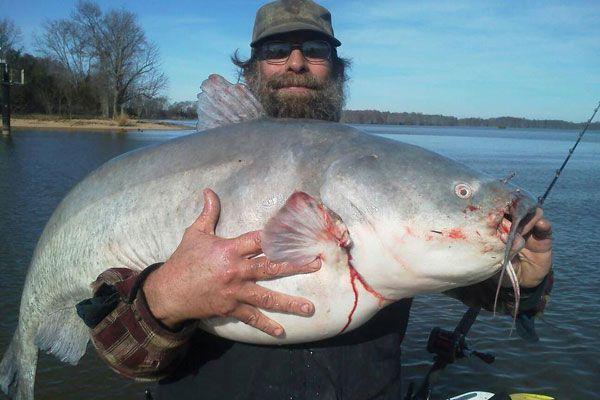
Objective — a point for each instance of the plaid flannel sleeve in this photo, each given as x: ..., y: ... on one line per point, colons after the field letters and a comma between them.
x: 125, y: 333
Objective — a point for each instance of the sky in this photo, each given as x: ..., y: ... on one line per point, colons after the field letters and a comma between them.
x: 530, y: 59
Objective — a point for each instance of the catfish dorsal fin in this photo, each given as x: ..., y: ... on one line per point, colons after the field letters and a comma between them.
x: 302, y: 230
x: 222, y: 103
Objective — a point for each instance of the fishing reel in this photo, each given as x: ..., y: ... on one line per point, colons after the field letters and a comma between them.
x: 448, y: 347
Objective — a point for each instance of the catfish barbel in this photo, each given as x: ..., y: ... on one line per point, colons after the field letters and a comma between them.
x: 389, y: 221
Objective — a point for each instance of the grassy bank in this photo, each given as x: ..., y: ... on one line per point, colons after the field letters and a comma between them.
x: 58, y: 122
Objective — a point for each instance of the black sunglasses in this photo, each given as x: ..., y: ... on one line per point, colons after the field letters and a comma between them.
x: 314, y: 51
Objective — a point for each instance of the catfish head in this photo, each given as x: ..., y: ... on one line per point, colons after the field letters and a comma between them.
x: 421, y: 223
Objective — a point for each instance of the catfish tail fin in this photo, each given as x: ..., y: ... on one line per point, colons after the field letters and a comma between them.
x: 222, y: 103
x: 17, y: 369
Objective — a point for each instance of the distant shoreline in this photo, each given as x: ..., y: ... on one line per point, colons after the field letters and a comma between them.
x: 376, y: 117
x: 140, y: 125
x: 91, y: 124
x: 484, y: 127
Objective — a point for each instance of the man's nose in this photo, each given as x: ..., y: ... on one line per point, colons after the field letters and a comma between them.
x: 296, y: 62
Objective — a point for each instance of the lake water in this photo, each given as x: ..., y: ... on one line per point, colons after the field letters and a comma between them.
x: 37, y: 168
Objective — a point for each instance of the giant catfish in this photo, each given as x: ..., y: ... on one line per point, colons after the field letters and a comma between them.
x: 389, y: 221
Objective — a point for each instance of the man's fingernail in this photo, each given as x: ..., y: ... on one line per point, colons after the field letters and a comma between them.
x: 306, y: 308
x: 278, y: 332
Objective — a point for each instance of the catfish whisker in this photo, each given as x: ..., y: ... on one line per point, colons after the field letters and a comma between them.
x: 514, y: 279
x: 505, y: 264
x: 498, y: 289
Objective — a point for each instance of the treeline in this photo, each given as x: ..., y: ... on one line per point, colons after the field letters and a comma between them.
x: 90, y: 64
x: 404, y: 118
x: 97, y: 63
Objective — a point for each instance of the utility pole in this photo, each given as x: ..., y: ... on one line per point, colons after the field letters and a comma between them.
x: 5, y: 98
x: 6, y: 83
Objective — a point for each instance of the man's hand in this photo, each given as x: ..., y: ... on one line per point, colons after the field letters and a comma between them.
x: 208, y: 276
x: 534, y: 261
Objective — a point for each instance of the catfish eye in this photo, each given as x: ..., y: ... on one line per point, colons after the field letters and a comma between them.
x: 463, y: 191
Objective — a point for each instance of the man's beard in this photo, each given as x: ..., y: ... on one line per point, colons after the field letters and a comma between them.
x: 324, y: 99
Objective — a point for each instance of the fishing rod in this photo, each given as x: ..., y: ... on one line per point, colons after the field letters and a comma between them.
x: 541, y: 199
x: 450, y: 346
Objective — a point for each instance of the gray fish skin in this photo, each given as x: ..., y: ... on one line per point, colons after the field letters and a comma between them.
x: 133, y: 210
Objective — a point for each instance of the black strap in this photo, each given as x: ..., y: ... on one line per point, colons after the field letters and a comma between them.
x: 94, y: 310
x: 140, y: 281
x: 106, y: 299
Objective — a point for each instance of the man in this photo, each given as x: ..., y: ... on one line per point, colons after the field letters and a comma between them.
x: 144, y: 326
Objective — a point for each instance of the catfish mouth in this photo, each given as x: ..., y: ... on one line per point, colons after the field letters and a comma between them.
x: 519, y: 212
x: 517, y: 242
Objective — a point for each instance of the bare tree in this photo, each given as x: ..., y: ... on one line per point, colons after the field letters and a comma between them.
x: 63, y: 42
x: 10, y: 37
x: 128, y: 61
x: 88, y: 17
x: 145, y: 107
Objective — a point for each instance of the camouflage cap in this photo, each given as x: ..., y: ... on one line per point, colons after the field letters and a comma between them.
x: 283, y: 16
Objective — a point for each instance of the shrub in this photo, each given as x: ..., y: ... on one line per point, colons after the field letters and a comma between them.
x: 123, y: 120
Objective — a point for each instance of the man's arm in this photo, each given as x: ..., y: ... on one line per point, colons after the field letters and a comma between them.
x: 125, y: 333
x: 141, y: 322
x: 533, y: 266
x: 533, y: 300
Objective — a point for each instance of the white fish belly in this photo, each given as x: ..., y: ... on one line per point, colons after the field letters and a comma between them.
x: 338, y: 308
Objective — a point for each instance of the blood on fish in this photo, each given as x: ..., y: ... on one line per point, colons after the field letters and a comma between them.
x: 494, y: 218
x: 354, y: 275
x: 368, y: 288
x: 471, y: 207
x: 456, y: 233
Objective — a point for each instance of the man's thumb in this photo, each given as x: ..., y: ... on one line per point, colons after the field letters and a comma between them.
x: 207, y: 221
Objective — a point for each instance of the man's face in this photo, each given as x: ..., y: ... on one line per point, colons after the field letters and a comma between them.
x: 298, y: 88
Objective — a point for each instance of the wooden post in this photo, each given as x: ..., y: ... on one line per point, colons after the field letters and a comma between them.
x: 5, y: 99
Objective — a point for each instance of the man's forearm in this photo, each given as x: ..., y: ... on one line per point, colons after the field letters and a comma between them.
x: 124, y: 331
x: 533, y: 300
